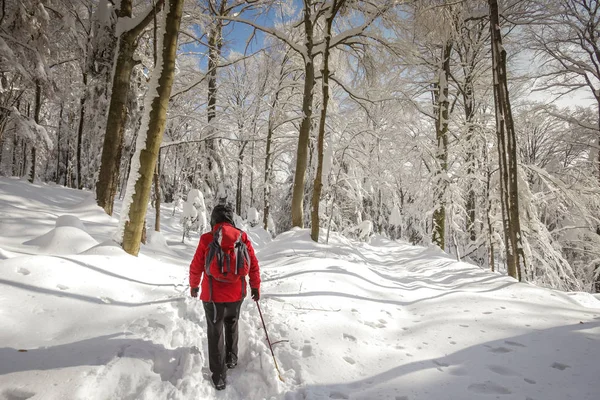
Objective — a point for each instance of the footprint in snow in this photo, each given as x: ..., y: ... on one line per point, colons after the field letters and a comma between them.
x: 23, y: 271
x: 500, y: 370
x: 457, y: 371
x: 514, y: 344
x: 560, y: 366
x: 338, y: 395
x: 499, y: 350
x: 349, y: 337
x: 530, y: 381
x: 62, y: 287
x: 17, y: 394
x: 349, y: 360
x: 488, y: 388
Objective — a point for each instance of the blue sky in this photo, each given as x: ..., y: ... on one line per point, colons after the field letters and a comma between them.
x: 236, y: 36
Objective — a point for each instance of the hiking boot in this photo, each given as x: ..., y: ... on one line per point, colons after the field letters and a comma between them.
x: 220, y: 382
x: 231, y: 360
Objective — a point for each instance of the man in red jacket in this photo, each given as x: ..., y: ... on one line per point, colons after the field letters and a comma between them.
x: 222, y: 299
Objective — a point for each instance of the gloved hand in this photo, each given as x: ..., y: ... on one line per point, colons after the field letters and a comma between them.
x: 255, y: 294
x: 194, y: 291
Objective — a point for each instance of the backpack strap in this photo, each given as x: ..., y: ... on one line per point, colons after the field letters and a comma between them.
x: 214, y: 250
x: 241, y: 253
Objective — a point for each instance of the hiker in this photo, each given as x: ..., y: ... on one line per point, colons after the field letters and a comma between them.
x: 223, y: 259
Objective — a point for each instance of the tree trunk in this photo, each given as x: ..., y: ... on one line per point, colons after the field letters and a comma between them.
x: 305, y: 125
x: 147, y: 148
x: 268, y: 156
x: 97, y: 75
x: 443, y: 104
x: 67, y: 166
x: 469, y: 101
x: 215, y: 172
x: 490, y: 226
x: 58, y: 132
x: 80, y: 133
x: 507, y: 151
x: 157, y: 193
x: 318, y: 183
x: 597, y: 269
x: 252, y: 173
x: 267, y: 189
x: 240, y: 180
x: 112, y: 149
x: 36, y: 118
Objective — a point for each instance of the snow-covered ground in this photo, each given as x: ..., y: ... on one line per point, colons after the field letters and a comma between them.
x: 80, y: 319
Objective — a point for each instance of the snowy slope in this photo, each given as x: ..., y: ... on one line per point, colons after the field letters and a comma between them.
x: 80, y: 319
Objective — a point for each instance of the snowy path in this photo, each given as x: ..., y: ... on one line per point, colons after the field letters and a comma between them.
x: 359, y: 321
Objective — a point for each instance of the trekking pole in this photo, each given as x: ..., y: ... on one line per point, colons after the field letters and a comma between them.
x: 268, y: 341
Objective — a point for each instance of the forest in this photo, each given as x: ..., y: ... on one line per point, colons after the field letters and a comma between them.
x: 470, y: 125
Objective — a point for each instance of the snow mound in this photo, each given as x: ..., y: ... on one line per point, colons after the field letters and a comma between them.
x: 5, y: 254
x: 157, y: 242
x: 259, y: 237
x: 584, y: 299
x: 70, y: 220
x: 107, y: 248
x: 63, y: 240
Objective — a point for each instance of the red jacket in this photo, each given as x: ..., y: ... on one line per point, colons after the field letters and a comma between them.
x: 222, y: 292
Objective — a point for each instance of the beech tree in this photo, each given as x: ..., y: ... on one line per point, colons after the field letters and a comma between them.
x: 314, y: 11
x: 133, y: 213
x: 108, y: 179
x: 507, y: 152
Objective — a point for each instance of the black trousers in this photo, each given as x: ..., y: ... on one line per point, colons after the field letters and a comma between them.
x: 217, y: 315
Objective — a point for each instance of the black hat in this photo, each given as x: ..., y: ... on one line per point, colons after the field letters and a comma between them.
x: 221, y: 213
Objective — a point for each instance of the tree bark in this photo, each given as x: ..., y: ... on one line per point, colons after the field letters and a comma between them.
x: 468, y: 99
x: 240, y: 180
x: 507, y: 151
x: 80, y: 133
x: 318, y: 182
x: 443, y: 104
x: 147, y: 150
x: 58, y: 133
x: 215, y: 171
x: 112, y: 149
x: 268, y: 151
x: 36, y: 118
x: 268, y: 167
x: 597, y: 269
x: 305, y: 125
x: 157, y: 194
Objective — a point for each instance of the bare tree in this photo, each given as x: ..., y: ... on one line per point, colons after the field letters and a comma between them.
x: 507, y: 152
x: 313, y: 12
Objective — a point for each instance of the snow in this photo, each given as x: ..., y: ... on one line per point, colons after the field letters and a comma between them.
x: 396, y: 216
x: 253, y: 216
x: 383, y: 320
